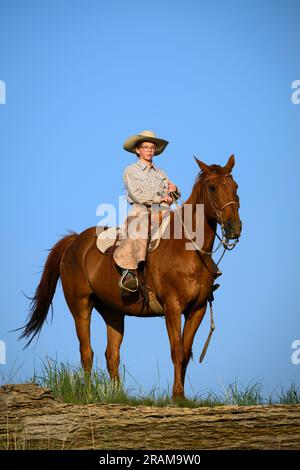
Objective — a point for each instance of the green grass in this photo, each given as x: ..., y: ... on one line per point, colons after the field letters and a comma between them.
x: 71, y: 385
x: 290, y: 396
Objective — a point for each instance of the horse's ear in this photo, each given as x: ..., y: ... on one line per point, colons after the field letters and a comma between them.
x: 230, y: 164
x: 205, y: 168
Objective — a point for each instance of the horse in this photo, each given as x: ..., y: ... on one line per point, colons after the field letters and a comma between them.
x: 181, y: 279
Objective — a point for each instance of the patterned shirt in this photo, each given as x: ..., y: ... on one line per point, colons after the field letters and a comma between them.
x: 145, y: 185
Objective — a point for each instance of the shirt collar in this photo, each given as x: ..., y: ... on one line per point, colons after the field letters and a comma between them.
x: 143, y: 166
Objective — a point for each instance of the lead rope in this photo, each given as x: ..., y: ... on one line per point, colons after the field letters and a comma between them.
x: 212, y: 329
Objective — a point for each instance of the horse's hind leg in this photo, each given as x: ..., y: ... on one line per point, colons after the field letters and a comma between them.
x: 81, y: 310
x: 115, y: 331
x: 78, y: 293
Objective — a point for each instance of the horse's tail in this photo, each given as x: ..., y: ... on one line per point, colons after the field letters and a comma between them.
x: 42, y: 299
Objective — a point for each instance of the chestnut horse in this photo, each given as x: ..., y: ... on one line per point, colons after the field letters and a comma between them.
x: 181, y: 279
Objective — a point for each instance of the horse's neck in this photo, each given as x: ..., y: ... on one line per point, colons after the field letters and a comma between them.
x: 198, y: 196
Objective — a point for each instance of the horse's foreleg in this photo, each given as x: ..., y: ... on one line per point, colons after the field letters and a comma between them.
x: 173, y: 324
x: 192, y: 322
x: 115, y: 331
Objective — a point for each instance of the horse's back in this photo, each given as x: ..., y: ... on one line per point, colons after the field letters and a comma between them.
x: 91, y: 232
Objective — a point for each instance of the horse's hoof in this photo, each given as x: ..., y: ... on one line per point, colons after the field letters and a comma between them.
x: 178, y: 397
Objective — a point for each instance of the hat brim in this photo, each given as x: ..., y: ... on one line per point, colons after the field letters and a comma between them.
x: 131, y: 143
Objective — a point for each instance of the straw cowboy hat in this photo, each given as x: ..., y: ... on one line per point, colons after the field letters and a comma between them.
x: 145, y: 136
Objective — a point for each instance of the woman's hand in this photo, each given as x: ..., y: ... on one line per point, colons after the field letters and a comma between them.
x: 167, y: 199
x: 171, y: 187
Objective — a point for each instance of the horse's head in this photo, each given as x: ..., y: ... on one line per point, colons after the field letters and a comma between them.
x: 220, y: 196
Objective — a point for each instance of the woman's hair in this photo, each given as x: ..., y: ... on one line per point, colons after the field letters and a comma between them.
x: 140, y: 143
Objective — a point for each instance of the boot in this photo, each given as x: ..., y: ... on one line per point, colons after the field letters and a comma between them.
x: 128, y: 281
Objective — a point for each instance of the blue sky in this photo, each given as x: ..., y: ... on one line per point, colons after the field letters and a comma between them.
x: 213, y: 78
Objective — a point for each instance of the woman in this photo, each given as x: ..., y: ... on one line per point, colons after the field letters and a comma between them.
x: 147, y: 187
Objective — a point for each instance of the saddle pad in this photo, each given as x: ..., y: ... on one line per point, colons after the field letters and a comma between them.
x: 107, y: 238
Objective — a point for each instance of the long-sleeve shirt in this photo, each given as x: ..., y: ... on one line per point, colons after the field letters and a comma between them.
x: 145, y: 185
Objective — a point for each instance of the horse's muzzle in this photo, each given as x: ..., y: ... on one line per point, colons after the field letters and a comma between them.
x: 233, y: 230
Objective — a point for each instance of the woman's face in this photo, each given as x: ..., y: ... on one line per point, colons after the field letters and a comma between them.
x: 146, y: 151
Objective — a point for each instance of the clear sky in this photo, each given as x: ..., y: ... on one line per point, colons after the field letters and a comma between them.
x: 212, y: 77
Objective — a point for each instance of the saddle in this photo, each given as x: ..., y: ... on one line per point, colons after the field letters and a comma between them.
x: 108, y: 238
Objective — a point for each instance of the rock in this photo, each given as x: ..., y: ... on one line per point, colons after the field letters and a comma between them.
x: 31, y: 418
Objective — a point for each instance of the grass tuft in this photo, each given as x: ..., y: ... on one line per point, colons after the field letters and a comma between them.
x: 291, y: 396
x: 72, y: 385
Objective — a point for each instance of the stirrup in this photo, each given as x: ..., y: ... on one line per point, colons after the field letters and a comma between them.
x: 127, y: 289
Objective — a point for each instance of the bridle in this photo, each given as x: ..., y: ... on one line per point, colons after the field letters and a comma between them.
x: 219, y: 212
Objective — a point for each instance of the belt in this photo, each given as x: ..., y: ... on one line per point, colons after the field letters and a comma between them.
x: 155, y: 204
